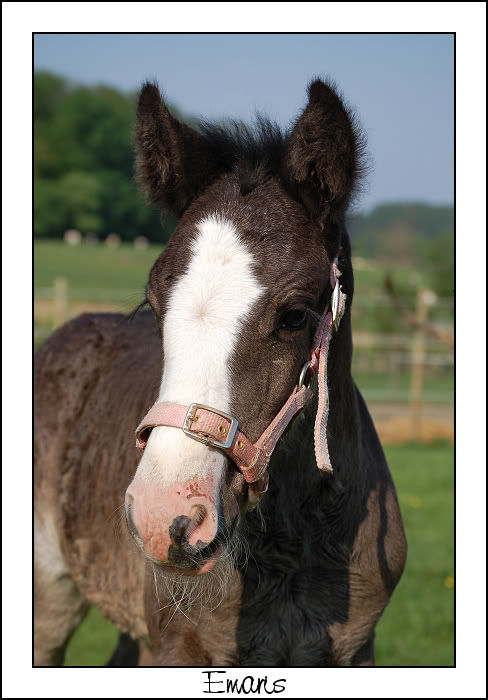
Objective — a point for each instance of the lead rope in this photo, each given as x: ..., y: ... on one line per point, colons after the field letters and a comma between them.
x: 330, y: 319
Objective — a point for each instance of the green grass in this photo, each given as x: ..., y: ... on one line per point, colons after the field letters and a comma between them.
x: 99, y: 267
x: 88, y: 266
x: 92, y: 643
x: 93, y: 268
x: 438, y: 388
x: 417, y: 627
x: 98, y: 273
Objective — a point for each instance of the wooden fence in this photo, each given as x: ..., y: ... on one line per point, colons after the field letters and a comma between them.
x: 411, y: 368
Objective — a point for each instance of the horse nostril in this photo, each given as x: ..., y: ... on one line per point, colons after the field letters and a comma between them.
x: 198, y: 514
x: 183, y: 527
x: 129, y: 500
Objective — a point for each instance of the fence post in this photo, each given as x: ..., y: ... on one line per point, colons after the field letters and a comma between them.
x: 60, y: 301
x: 418, y: 359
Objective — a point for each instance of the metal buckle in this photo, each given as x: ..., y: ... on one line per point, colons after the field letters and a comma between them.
x: 203, y: 437
x: 303, y: 374
x: 337, y: 305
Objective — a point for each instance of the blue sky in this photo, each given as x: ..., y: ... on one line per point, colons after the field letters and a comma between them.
x: 400, y: 84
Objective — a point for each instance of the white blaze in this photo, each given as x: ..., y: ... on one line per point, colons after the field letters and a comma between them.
x: 204, y: 314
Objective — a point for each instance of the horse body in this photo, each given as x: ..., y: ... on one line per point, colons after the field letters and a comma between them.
x: 321, y: 554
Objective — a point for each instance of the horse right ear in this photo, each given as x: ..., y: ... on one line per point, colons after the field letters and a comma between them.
x: 173, y: 161
x: 324, y: 155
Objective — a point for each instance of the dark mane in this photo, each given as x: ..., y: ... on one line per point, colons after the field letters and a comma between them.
x: 255, y: 152
x: 320, y: 160
x: 258, y: 151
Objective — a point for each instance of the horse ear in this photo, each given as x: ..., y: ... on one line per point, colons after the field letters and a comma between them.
x: 173, y: 161
x: 323, y: 160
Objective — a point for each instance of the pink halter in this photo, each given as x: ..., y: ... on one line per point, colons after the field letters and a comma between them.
x: 217, y: 429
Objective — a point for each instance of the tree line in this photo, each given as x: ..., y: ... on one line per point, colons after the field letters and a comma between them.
x: 84, y: 179
x: 84, y: 163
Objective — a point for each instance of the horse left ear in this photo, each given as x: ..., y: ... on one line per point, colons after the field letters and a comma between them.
x: 323, y: 160
x: 173, y: 161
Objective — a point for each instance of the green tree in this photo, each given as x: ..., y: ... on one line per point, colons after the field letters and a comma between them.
x: 84, y: 163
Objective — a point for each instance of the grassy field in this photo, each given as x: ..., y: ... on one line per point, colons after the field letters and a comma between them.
x: 118, y: 277
x: 417, y: 627
x: 88, y: 267
x: 437, y: 388
x: 90, y: 270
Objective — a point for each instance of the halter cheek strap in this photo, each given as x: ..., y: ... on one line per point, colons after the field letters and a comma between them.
x: 217, y: 429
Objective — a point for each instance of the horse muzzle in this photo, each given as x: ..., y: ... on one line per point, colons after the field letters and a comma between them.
x: 176, y: 528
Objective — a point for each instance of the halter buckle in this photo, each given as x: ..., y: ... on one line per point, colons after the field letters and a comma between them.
x: 337, y: 305
x: 303, y: 376
x: 203, y: 437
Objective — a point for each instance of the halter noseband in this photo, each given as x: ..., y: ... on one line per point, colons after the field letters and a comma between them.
x: 217, y: 429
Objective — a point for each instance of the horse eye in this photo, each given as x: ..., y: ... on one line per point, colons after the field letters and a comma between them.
x: 294, y: 319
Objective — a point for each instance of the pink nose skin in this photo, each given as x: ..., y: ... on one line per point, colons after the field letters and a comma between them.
x: 174, y: 525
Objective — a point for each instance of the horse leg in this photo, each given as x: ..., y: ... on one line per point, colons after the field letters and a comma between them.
x: 58, y: 605
x: 130, y: 652
x: 352, y: 646
x: 145, y: 655
x: 364, y: 656
x: 126, y: 653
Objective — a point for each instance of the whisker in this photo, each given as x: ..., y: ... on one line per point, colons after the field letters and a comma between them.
x: 114, y: 512
x: 115, y: 521
x: 205, y: 593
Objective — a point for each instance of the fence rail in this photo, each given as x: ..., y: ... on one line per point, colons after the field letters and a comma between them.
x: 412, y: 369
x: 91, y: 293
x: 115, y: 293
